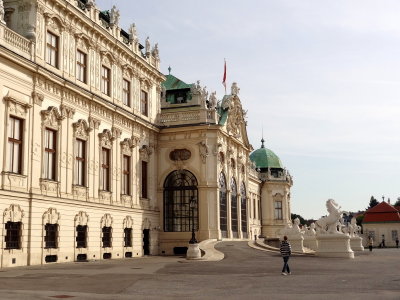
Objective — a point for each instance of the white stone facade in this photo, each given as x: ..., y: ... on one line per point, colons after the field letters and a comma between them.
x: 68, y: 72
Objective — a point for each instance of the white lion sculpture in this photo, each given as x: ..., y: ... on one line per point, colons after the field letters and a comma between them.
x: 329, y: 223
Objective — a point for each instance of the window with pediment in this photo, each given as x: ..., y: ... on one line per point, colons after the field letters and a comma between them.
x: 51, y: 228
x: 106, y: 140
x: 81, y: 227
x: 243, y: 209
x: 223, y: 205
x: 128, y: 223
x: 234, y: 208
x: 13, y: 227
x: 52, y: 49
x: 106, y: 231
x: 81, y: 135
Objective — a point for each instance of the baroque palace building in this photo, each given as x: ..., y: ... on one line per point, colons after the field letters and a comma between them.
x: 106, y: 157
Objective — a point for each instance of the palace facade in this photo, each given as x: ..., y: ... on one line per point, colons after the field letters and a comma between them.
x: 106, y: 157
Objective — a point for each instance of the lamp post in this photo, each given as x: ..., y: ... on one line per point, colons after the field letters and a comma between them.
x: 192, y: 205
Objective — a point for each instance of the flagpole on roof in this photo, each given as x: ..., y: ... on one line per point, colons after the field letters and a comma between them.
x: 224, y: 77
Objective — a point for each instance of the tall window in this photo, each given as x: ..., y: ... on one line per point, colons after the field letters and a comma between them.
x: 81, y: 236
x: 278, y: 210
x: 126, y: 92
x: 243, y: 209
x: 105, y: 80
x: 180, y: 187
x: 13, y: 235
x: 81, y: 162
x: 52, y: 49
x: 106, y: 236
x: 51, y: 235
x: 223, y: 206
x: 254, y: 208
x: 105, y: 169
x: 126, y: 175
x: 81, y: 66
x: 128, y: 237
x: 144, y: 103
x: 144, y: 179
x: 234, y: 209
x: 15, y: 145
x: 50, y: 154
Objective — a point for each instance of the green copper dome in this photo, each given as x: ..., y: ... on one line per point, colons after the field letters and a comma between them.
x: 265, y: 158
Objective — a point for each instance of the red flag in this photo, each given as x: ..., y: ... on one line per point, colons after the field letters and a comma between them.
x: 224, y: 78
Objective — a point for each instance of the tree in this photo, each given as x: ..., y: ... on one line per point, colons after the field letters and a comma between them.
x: 397, y: 203
x: 294, y: 216
x: 372, y: 202
x: 359, y: 219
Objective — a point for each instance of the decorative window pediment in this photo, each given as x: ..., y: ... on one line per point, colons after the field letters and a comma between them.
x: 107, y: 58
x: 106, y: 221
x: 146, y: 224
x: 81, y: 218
x: 127, y: 145
x: 145, y: 152
x: 16, y: 107
x: 54, y: 23
x: 13, y: 214
x: 83, y: 42
x: 128, y: 222
x: 51, y: 216
x: 81, y: 129
x: 106, y: 138
x: 51, y: 117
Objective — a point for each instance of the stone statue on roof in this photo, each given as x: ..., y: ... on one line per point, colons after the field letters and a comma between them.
x: 132, y: 33
x: 114, y: 16
x: 1, y: 11
x: 147, y: 45
x: 235, y: 89
x: 155, y: 51
x: 213, y: 100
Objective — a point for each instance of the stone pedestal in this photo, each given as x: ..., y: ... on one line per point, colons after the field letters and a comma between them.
x: 310, y: 242
x: 334, y: 245
x: 356, y: 243
x: 296, y: 242
x: 193, y: 252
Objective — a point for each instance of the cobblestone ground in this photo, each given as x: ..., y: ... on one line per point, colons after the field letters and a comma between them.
x: 245, y: 273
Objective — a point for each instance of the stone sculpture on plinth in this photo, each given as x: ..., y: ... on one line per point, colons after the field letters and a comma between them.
x: 310, y: 239
x: 294, y: 235
x: 355, y: 239
x: 332, y: 242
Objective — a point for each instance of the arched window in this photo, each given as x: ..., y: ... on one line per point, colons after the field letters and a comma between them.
x: 179, y: 188
x: 234, y: 209
x: 223, y: 212
x: 243, y: 210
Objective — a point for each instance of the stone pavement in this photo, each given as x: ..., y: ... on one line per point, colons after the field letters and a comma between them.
x: 244, y: 273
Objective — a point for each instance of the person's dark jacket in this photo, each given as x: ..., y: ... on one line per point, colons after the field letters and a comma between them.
x: 285, y: 248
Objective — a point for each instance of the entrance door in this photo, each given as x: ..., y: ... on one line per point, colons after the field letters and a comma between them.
x: 146, y: 241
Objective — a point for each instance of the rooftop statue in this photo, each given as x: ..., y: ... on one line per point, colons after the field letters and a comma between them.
x: 114, y: 16
x: 329, y: 224
x: 235, y: 89
x: 1, y: 11
x: 155, y: 51
x: 213, y: 100
x: 132, y: 33
x: 147, y: 44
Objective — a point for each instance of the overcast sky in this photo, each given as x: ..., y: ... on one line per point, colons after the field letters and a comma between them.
x: 321, y: 77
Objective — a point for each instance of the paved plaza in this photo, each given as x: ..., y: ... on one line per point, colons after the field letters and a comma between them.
x: 244, y: 273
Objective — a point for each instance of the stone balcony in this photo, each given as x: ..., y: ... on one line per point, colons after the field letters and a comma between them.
x: 185, y: 117
x: 15, y: 42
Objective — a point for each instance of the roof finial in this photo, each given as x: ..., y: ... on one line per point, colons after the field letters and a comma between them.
x: 262, y: 136
x: 169, y: 70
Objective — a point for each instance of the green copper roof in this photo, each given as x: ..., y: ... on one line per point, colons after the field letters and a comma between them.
x: 173, y: 83
x: 265, y: 158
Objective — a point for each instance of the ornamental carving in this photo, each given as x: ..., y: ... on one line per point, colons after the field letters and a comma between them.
x: 128, y: 222
x: 106, y: 138
x: 49, y: 186
x: 145, y: 152
x: 116, y: 132
x: 13, y: 214
x: 16, y: 107
x: 106, y: 221
x: 51, y: 117
x: 146, y: 224
x: 54, y: 23
x: 180, y: 154
x: 81, y: 218
x: 81, y: 129
x: 66, y: 111
x: 51, y: 216
x: 94, y: 123
x: 37, y: 98
x: 127, y: 145
x: 203, y: 151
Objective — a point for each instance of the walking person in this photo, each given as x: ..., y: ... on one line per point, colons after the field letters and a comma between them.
x: 397, y: 242
x: 286, y: 251
x: 370, y: 243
